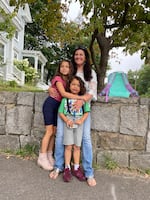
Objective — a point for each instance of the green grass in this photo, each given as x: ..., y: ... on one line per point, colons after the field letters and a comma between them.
x: 147, y: 171
x: 110, y: 163
x: 28, y: 151
x: 13, y: 87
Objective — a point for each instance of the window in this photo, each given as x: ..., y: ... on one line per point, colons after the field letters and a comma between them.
x: 1, y: 53
x: 15, y: 55
x: 16, y: 35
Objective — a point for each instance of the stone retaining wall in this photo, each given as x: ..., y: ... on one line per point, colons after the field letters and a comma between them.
x: 120, y: 128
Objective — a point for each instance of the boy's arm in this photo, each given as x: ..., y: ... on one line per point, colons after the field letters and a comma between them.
x: 63, y: 117
x: 68, y: 122
x: 61, y: 113
x: 82, y: 119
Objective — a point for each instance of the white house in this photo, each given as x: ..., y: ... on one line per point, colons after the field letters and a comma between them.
x: 13, y: 48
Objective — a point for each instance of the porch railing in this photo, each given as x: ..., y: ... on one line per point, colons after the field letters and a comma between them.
x: 13, y: 74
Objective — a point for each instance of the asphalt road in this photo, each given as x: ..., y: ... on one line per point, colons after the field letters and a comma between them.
x: 24, y: 180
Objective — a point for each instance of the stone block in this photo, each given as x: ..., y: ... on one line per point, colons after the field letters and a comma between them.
x: 145, y: 101
x: 8, y: 97
x: 9, y: 142
x: 94, y: 138
x: 39, y: 100
x: 25, y: 98
x: 2, y: 130
x: 117, y: 141
x: 134, y: 120
x: 119, y: 100
x: 120, y: 157
x: 19, y: 120
x: 148, y: 142
x: 2, y: 115
x: 24, y: 140
x: 38, y: 133
x: 105, y: 118
x: 38, y: 120
x: 140, y: 160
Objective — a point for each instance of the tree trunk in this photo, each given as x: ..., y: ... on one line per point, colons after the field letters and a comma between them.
x: 104, y: 47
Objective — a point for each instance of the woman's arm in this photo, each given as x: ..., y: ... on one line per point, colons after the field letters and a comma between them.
x: 52, y: 92
x: 79, y: 103
x: 91, y: 93
x: 93, y: 86
x: 65, y: 94
x: 88, y: 97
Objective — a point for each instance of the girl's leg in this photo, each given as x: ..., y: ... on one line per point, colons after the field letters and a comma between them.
x: 46, y: 139
x: 43, y: 159
x: 52, y: 141
x: 51, y: 147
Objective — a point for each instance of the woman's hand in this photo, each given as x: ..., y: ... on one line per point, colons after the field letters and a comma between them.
x: 86, y: 97
x: 83, y: 98
x: 78, y: 104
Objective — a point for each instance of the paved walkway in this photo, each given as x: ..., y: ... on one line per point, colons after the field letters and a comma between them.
x: 24, y: 180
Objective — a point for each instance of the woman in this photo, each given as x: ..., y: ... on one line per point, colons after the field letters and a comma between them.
x: 82, y: 68
x: 50, y: 110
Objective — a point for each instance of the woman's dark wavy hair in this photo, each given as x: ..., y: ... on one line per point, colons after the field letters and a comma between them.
x: 57, y: 73
x: 82, y: 86
x: 87, y: 66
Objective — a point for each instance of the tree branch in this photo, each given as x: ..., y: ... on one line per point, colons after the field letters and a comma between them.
x: 92, y: 50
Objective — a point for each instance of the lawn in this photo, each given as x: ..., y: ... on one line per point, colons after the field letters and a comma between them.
x: 13, y: 87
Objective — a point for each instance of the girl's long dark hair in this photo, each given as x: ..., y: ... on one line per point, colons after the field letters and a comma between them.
x: 82, y: 86
x: 87, y: 66
x: 57, y: 73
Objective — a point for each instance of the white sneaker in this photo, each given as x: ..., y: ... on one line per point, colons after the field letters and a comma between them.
x: 44, y: 162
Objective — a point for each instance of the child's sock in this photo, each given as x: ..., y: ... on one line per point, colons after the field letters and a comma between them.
x: 76, y: 166
x: 67, y: 166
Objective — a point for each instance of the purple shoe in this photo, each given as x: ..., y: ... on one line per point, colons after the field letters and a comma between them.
x: 67, y: 176
x: 79, y: 174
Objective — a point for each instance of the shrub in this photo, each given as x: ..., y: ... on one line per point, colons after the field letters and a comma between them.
x: 110, y: 163
x: 12, y: 84
x: 30, y: 73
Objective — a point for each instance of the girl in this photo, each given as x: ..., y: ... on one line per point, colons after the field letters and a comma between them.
x: 73, y: 128
x: 50, y: 110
